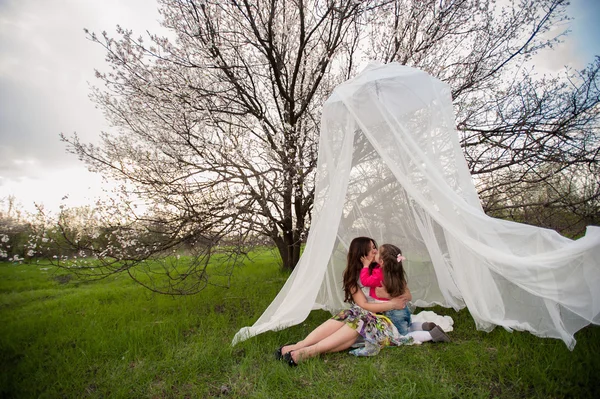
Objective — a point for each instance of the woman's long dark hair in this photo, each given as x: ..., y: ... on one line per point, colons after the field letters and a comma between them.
x: 394, y: 276
x: 359, y: 247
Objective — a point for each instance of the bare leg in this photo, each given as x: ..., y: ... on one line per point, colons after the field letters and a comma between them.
x: 344, y: 345
x: 318, y: 334
x: 341, y: 339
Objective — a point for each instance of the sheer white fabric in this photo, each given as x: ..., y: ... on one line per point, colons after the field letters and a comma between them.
x: 390, y: 167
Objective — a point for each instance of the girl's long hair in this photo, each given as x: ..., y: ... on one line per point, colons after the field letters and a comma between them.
x: 359, y: 247
x: 394, y: 276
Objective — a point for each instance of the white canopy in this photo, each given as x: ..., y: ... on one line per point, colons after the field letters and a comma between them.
x: 390, y: 167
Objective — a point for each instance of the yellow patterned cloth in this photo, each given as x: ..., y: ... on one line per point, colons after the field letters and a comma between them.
x: 377, y: 330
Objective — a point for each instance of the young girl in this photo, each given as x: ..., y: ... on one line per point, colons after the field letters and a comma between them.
x: 391, y: 274
x: 373, y: 275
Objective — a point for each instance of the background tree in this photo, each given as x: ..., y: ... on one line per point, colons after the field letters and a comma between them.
x: 518, y: 130
x: 540, y: 137
x: 216, y: 130
x: 14, y: 231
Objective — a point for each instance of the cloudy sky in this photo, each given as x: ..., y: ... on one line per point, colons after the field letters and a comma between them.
x: 47, y: 64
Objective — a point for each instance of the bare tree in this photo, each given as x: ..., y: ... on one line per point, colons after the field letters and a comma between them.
x: 216, y: 131
x: 219, y: 131
x: 565, y: 202
x: 13, y: 228
x: 518, y: 130
x: 539, y: 136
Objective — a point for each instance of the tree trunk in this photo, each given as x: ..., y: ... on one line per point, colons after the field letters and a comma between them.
x: 289, y: 250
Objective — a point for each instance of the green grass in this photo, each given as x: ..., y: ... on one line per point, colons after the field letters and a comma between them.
x: 113, y: 338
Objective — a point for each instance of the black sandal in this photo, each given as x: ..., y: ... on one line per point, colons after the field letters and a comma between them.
x: 289, y: 359
x: 278, y: 354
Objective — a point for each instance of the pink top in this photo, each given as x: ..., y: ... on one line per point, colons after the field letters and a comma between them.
x: 372, y: 280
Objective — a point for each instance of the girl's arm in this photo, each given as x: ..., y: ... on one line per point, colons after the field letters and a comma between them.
x: 360, y: 299
x: 371, y: 280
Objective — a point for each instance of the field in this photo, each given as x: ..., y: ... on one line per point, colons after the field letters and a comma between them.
x: 112, y: 338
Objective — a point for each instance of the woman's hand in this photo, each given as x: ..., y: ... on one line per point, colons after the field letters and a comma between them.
x: 381, y: 292
x: 398, y: 302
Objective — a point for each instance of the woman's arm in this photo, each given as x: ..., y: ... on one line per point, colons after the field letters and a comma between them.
x: 360, y: 299
x: 381, y: 292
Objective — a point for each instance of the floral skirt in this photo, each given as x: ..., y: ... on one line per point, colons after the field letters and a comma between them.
x: 377, y: 330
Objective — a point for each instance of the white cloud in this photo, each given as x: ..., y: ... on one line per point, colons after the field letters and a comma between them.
x: 579, y: 47
x: 48, y: 188
x: 47, y: 62
x: 45, y: 67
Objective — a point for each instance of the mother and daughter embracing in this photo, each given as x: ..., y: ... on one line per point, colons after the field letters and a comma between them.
x: 373, y: 322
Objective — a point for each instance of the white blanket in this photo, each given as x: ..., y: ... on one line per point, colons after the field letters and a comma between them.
x: 445, y: 322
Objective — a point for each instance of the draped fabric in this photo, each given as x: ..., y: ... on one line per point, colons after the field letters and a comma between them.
x: 390, y: 167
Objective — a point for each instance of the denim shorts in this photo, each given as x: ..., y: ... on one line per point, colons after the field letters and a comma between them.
x: 400, y: 318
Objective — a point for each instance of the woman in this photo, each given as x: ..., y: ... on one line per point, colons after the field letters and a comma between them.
x: 342, y: 331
